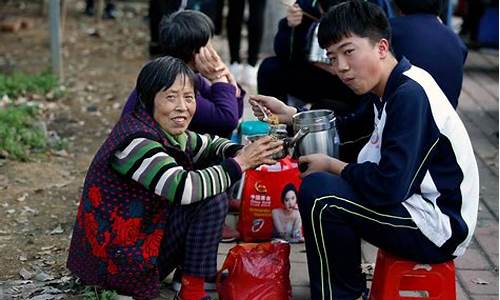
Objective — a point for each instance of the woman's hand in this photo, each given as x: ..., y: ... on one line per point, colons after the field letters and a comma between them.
x: 210, y: 65
x: 321, y: 163
x: 294, y: 15
x: 232, y: 81
x: 258, y: 153
x: 272, y: 106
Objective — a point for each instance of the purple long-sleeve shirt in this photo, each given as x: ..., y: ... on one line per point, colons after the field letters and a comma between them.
x: 217, y: 107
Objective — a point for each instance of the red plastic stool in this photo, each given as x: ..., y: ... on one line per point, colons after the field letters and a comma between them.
x: 396, y: 278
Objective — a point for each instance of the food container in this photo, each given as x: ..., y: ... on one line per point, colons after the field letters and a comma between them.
x: 322, y: 135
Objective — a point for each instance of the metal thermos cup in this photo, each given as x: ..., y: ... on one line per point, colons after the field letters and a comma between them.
x: 322, y: 136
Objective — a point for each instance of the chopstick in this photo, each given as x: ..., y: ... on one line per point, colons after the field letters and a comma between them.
x: 303, y: 12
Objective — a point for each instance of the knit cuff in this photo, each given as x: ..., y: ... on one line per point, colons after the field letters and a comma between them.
x: 232, y: 168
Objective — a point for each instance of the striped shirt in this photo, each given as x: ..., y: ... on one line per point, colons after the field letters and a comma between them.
x: 147, y: 162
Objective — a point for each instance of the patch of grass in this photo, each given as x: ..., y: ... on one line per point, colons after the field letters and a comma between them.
x: 19, y: 132
x: 18, y: 83
x: 94, y: 293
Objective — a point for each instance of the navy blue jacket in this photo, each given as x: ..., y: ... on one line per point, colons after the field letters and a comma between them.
x: 421, y: 156
x: 429, y: 44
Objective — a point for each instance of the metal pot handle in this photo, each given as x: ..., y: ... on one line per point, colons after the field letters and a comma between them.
x: 291, y: 143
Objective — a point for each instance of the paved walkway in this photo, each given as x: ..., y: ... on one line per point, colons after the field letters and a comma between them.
x: 477, y: 270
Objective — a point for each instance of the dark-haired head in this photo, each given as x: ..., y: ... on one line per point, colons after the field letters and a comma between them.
x: 183, y: 33
x: 326, y: 4
x: 286, y: 189
x: 355, y: 17
x: 159, y: 75
x: 411, y: 7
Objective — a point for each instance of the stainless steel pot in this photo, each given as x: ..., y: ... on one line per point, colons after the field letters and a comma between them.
x: 322, y: 134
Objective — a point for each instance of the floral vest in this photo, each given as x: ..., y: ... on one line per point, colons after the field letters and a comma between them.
x: 120, y: 224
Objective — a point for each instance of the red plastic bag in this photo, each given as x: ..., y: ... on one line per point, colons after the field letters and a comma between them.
x: 256, y: 271
x: 262, y: 192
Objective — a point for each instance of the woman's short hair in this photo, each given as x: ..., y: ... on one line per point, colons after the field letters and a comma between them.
x: 159, y: 75
x: 358, y: 17
x: 411, y: 7
x: 183, y: 33
x: 286, y: 189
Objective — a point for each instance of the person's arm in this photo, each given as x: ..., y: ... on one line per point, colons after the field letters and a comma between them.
x: 210, y: 148
x: 273, y: 106
x: 217, y: 108
x: 319, y: 162
x: 409, y: 137
x: 146, y: 162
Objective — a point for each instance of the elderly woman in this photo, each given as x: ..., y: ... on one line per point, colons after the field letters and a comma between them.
x: 154, y: 196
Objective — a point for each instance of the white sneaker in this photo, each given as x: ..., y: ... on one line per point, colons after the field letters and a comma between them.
x: 249, y: 75
x: 235, y: 69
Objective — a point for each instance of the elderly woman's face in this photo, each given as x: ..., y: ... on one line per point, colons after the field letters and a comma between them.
x: 174, y: 108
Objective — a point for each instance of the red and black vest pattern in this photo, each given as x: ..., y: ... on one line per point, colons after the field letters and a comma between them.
x: 120, y: 224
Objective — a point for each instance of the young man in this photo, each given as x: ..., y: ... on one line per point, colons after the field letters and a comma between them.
x: 414, y: 190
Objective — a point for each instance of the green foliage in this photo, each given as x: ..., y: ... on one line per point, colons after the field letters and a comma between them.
x: 19, y: 133
x: 16, y: 84
x: 93, y: 293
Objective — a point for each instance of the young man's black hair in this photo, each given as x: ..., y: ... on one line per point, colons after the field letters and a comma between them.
x: 183, y: 33
x: 159, y: 75
x: 410, y: 7
x: 369, y: 21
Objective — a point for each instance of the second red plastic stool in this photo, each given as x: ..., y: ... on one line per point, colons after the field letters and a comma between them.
x: 397, y: 278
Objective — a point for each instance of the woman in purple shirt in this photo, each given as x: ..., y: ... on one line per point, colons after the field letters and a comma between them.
x: 219, y: 102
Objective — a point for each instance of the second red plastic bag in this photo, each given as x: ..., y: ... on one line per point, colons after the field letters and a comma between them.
x: 256, y: 271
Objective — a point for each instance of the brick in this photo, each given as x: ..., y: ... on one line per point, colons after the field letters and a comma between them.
x: 297, y: 253
x: 487, y: 237
x: 467, y: 277
x: 473, y: 258
x: 301, y: 293
x: 224, y: 247
x: 461, y: 294
x: 489, y: 297
x: 369, y: 252
x: 220, y: 260
x: 299, y: 276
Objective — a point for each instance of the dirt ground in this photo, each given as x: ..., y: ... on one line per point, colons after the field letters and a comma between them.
x: 38, y: 199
